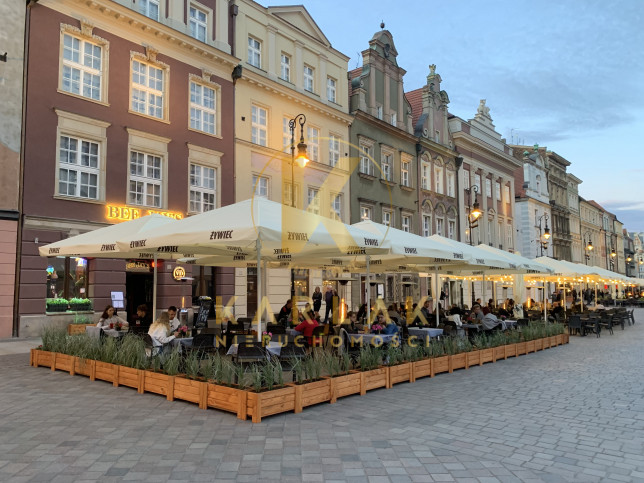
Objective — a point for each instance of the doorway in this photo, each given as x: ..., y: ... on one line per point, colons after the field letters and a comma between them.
x: 138, y: 290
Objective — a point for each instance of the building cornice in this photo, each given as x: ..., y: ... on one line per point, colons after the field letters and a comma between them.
x: 384, y: 126
x: 483, y: 149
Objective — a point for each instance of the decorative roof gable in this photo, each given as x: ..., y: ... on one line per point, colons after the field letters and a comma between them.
x: 299, y: 17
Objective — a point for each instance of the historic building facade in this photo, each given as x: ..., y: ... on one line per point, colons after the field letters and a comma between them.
x: 288, y: 68
x: 126, y: 107
x: 574, y: 218
x: 558, y: 189
x: 591, y: 228
x: 384, y: 184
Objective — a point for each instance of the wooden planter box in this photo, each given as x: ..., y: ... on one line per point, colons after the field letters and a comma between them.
x: 510, y: 350
x: 75, y: 329
x: 538, y: 344
x: 311, y: 393
x: 422, y: 368
x: 41, y: 358
x: 129, y: 377
x: 499, y: 353
x: 530, y: 346
x: 374, y: 379
x: 400, y: 373
x: 565, y: 338
x: 262, y: 404
x: 228, y: 399
x: 457, y: 361
x: 104, y: 371
x: 472, y: 358
x: 63, y: 362
x: 440, y: 364
x: 158, y: 383
x: 84, y: 367
x: 521, y: 349
x: 487, y: 355
x: 345, y: 385
x: 553, y: 341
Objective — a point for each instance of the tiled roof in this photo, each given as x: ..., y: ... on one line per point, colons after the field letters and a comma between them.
x: 415, y: 99
x: 519, y: 191
x: 352, y: 75
x: 596, y: 205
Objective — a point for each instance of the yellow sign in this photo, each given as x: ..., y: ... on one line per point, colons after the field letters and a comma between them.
x: 178, y: 273
x: 137, y: 267
x: 127, y: 213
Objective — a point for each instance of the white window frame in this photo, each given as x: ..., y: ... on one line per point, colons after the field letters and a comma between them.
x: 206, y: 158
x: 336, y: 206
x: 366, y: 212
x: 86, y: 73
x: 451, y: 183
x: 145, y: 179
x: 198, y: 25
x: 199, y: 112
x: 334, y: 150
x: 451, y: 229
x: 144, y: 105
x: 405, y: 168
x: 286, y: 134
x: 288, y: 188
x: 313, y: 143
x: 77, y: 167
x: 331, y: 89
x: 499, y: 235
x: 466, y: 179
x: 405, y: 223
x: 144, y: 8
x: 506, y: 193
x: 488, y: 187
x: 394, y: 118
x: 313, y: 196
x: 509, y: 238
x: 497, y: 190
x: 427, y: 224
x: 259, y: 130
x: 198, y: 188
x: 285, y: 67
x: 254, y: 52
x: 308, y: 75
x: 477, y: 183
x: 438, y: 179
x: 261, y: 186
x: 388, y: 217
x: 426, y: 175
x: 366, y: 157
x: 379, y: 112
x: 440, y: 226
x: 387, y: 164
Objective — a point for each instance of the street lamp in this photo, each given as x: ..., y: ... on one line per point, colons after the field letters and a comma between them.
x: 589, y: 246
x: 301, y: 159
x: 473, y: 210
x: 546, y: 233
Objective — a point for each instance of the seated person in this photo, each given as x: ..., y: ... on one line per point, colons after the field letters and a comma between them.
x: 172, y: 315
x: 477, y: 315
x: 486, y: 310
x: 426, y: 312
x: 306, y: 329
x: 390, y: 327
x: 285, y: 313
x: 362, y: 311
x: 503, y: 312
x: 109, y: 317
x: 160, y: 331
x: 392, y: 312
x: 142, y: 319
x: 490, y: 322
x: 455, y: 310
x: 349, y: 324
x: 517, y: 311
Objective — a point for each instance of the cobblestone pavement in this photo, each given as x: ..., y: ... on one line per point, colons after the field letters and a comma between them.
x: 571, y: 413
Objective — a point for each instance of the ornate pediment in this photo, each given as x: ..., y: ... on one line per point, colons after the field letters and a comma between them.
x: 299, y: 17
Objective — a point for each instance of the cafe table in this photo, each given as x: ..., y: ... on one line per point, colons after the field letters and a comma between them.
x: 274, y: 348
x: 425, y: 332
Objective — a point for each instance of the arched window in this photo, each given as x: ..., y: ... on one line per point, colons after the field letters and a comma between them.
x: 451, y: 223
x: 439, y: 214
x: 427, y: 218
x: 439, y: 173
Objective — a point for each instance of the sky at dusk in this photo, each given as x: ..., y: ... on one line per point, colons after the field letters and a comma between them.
x: 566, y: 75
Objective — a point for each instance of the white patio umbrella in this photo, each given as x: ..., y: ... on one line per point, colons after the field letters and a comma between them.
x: 103, y: 243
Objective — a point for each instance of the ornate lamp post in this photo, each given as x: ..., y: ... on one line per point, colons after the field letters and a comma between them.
x: 588, y: 246
x: 301, y: 159
x: 543, y: 239
x: 473, y: 210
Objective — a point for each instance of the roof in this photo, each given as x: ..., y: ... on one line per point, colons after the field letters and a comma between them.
x: 352, y: 75
x: 519, y: 190
x: 415, y: 99
x: 596, y: 205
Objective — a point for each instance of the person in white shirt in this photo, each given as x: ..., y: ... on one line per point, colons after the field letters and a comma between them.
x: 109, y: 317
x: 160, y: 331
x: 172, y: 315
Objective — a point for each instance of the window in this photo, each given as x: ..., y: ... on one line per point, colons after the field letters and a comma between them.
x: 286, y: 134
x: 145, y: 179
x: 259, y: 124
x: 254, y: 52
x: 82, y: 68
x: 149, y: 8
x: 488, y: 187
x: 203, y: 182
x: 404, y: 173
x: 379, y: 112
x: 386, y: 164
x: 508, y: 232
x: 334, y: 150
x: 489, y: 232
x: 427, y: 225
x: 497, y: 190
x: 451, y: 229
x: 260, y: 184
x: 203, y: 108
x: 477, y: 182
x: 506, y: 193
x: 330, y: 89
x: 78, y: 168
x: 439, y: 226
x: 406, y: 223
x: 308, y: 78
x: 425, y: 176
x: 438, y: 173
x: 466, y: 179
x: 366, y: 213
x: 313, y: 201
x: 67, y: 277
x: 387, y: 217
x: 147, y: 89
x: 451, y: 188
x: 394, y: 118
x: 288, y: 189
x: 198, y: 24
x: 499, y: 235
x: 336, y: 207
x: 366, y: 155
x: 437, y: 136
x: 313, y: 143
x: 285, y: 70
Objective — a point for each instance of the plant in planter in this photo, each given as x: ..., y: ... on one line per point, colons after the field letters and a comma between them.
x: 172, y: 362
x: 78, y: 304
x: 56, y: 305
x: 369, y: 358
x: 192, y: 365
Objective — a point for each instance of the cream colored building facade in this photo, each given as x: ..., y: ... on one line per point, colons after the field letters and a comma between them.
x: 591, y: 231
x: 288, y: 68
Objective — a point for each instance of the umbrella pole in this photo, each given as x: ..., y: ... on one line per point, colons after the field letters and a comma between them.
x: 438, y: 297
x: 545, y: 303
x: 368, y: 287
x: 154, y: 288
x: 259, y: 289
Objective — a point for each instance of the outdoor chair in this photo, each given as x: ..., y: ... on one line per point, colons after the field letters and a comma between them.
x: 289, y: 355
x: 574, y: 324
x: 249, y: 352
x: 631, y: 317
x: 318, y: 334
x: 522, y: 322
x: 138, y: 329
x: 275, y: 329
x: 233, y: 327
x: 352, y: 350
x: 203, y: 343
x: 619, y: 319
x: 607, y: 323
x: 593, y: 325
x: 245, y: 322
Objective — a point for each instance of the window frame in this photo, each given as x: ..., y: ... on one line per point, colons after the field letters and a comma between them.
x: 451, y: 228
x: 165, y: 71
x: 253, y: 51
x: 390, y: 221
x: 308, y: 78
x: 146, y: 13
x: 406, y: 218
x: 440, y: 225
x: 405, y: 171
x: 497, y: 190
x: 366, y: 157
x: 331, y: 88
x: 78, y: 168
x: 198, y: 22
x: 451, y: 183
x: 488, y: 187
x: 200, y: 189
x: 425, y: 174
x: 313, y: 142
x: 334, y: 150
x: 260, y: 128
x: 285, y: 67
x: 427, y: 224
x: 208, y: 158
x: 336, y: 211
x: 439, y: 186
x: 257, y: 185
x: 364, y: 209
x: 313, y: 202
x: 387, y: 166
x: 216, y: 111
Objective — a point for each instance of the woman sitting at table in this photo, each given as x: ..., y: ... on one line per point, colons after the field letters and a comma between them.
x: 306, y: 329
x: 109, y: 317
x: 160, y: 330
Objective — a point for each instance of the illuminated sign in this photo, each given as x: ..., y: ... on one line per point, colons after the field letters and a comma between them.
x: 178, y: 273
x: 127, y: 213
x: 137, y: 267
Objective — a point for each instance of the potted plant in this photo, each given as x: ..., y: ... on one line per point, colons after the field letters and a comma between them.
x: 399, y: 369
x: 56, y: 305
x: 80, y: 305
x: 374, y: 375
x: 78, y: 325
